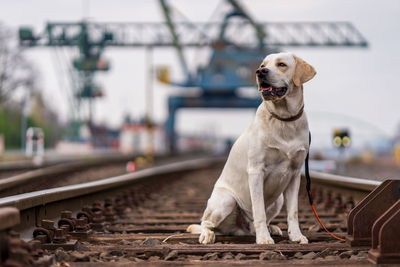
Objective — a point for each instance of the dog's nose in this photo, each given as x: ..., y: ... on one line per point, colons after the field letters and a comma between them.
x: 262, y: 71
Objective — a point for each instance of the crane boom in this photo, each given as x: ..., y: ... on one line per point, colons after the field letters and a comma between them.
x: 239, y: 11
x: 282, y: 34
x: 175, y: 39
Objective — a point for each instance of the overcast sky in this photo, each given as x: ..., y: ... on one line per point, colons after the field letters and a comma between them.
x: 353, y: 86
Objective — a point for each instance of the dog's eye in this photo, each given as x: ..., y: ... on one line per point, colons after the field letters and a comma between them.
x: 281, y: 64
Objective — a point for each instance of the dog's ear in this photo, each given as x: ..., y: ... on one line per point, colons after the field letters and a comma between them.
x: 303, y: 72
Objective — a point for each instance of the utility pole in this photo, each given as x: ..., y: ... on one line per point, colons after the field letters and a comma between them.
x: 149, y: 104
x: 23, y: 120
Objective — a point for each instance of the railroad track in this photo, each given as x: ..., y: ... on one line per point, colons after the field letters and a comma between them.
x: 63, y: 173
x: 75, y: 171
x: 14, y: 168
x: 8, y: 169
x: 141, y: 218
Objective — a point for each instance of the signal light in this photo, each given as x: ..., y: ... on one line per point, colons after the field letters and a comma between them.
x: 337, y: 141
x: 341, y: 138
x: 346, y: 141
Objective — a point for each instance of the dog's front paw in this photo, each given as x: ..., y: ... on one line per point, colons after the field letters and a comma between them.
x: 265, y: 240
x: 207, y: 236
x: 275, y: 230
x: 298, y: 238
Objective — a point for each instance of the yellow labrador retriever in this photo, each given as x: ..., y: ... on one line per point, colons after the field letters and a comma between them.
x: 263, y: 168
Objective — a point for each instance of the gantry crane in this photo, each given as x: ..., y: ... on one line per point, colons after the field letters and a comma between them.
x: 237, y: 49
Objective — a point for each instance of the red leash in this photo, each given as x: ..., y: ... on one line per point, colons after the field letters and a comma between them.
x: 308, y: 187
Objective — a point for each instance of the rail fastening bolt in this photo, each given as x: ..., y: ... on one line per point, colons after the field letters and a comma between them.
x: 66, y: 214
x: 48, y: 224
x: 59, y: 236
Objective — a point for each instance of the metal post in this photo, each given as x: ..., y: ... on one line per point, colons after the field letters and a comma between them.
x: 342, y: 160
x: 23, y: 124
x: 90, y: 121
x: 149, y: 103
x: 170, y: 126
x: 149, y: 82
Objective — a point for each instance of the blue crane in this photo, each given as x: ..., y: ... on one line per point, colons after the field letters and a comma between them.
x: 234, y: 60
x: 237, y: 48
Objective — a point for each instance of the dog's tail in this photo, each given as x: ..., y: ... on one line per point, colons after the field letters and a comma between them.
x: 194, y: 229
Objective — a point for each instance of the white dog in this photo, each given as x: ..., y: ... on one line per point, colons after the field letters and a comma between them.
x: 264, y: 165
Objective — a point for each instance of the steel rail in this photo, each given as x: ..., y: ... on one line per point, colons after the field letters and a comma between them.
x: 28, y: 164
x: 338, y: 181
x: 22, y: 165
x: 61, y: 168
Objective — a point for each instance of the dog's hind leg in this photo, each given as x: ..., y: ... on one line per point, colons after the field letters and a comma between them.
x: 271, y: 212
x: 219, y: 206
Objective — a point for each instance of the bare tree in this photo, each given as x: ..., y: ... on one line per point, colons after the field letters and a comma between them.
x: 15, y: 70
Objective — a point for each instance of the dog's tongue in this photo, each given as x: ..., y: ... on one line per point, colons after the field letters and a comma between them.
x: 267, y: 89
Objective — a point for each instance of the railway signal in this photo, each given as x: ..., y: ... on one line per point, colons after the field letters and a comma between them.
x: 341, y: 138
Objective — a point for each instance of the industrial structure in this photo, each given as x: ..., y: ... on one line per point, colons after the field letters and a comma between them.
x: 237, y: 48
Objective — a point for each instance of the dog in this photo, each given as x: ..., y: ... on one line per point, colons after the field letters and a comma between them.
x: 264, y: 165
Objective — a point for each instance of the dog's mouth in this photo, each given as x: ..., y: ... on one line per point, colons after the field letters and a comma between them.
x: 268, y: 90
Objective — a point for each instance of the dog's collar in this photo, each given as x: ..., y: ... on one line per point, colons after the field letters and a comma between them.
x: 292, y: 118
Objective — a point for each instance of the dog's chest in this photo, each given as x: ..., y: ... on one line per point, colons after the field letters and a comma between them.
x: 284, y: 154
x: 281, y: 164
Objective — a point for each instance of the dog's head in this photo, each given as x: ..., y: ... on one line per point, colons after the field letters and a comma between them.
x: 279, y: 74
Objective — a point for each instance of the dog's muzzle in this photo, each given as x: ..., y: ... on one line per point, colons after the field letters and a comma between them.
x: 268, y: 90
